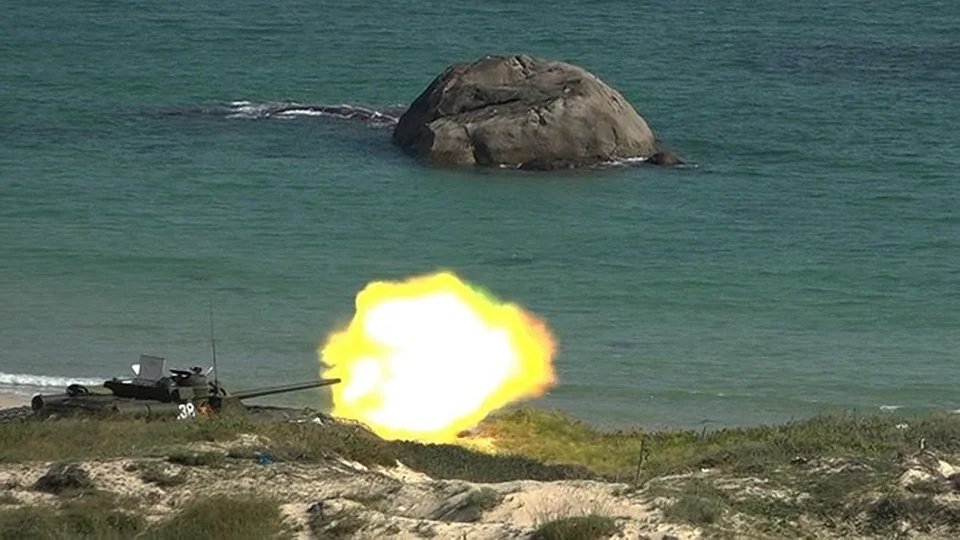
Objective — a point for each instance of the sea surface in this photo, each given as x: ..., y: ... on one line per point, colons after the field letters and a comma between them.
x: 807, y: 260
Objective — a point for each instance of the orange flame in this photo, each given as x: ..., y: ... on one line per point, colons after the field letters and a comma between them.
x: 427, y: 358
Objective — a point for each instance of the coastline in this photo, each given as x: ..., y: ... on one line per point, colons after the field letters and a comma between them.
x: 9, y: 400
x: 832, y: 476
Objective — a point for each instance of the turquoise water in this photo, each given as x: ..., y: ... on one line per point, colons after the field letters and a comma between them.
x: 810, y: 259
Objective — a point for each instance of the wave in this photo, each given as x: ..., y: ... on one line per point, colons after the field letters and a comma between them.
x: 293, y: 109
x: 244, y: 109
x: 44, y: 381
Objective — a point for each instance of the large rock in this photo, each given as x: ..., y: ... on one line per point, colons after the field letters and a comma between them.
x: 518, y: 111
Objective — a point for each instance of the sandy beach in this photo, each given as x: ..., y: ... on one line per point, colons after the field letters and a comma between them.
x: 9, y: 399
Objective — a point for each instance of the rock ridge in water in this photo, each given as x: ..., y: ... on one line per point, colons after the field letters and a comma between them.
x: 523, y: 112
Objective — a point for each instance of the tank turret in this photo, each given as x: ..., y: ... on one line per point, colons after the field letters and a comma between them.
x: 183, y: 394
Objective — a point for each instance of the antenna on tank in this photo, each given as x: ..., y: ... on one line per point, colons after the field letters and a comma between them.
x: 213, y: 346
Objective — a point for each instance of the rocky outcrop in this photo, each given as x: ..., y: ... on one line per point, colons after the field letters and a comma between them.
x: 522, y: 112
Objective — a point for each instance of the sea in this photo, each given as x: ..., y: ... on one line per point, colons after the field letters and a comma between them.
x: 162, y: 162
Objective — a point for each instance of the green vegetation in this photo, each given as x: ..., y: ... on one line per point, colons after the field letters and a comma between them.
x: 103, y: 439
x: 854, y: 499
x: 157, y: 474
x: 451, y: 461
x: 592, y: 527
x: 555, y: 438
x: 237, y: 517
x: 541, y: 445
x: 698, y: 503
x: 923, y: 513
x: 840, y: 472
x: 91, y: 516
x: 64, y: 478
x: 197, y: 459
x: 76, y: 439
x: 98, y: 516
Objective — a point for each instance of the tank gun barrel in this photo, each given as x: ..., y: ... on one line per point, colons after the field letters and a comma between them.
x: 257, y: 392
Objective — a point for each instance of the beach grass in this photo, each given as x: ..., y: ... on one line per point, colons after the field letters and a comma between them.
x: 102, y: 516
x: 530, y: 443
x: 637, y: 455
x: 94, y: 515
x: 590, y: 527
x: 222, y: 516
x: 839, y: 470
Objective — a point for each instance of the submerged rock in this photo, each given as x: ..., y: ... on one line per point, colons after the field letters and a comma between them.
x: 666, y: 158
x: 518, y: 111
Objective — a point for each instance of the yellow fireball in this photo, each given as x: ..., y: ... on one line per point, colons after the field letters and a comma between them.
x: 429, y: 357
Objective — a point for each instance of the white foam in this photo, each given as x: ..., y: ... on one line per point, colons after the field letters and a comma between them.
x: 890, y: 407
x: 631, y: 160
x: 292, y: 109
x: 305, y: 112
x: 249, y: 109
x: 23, y: 379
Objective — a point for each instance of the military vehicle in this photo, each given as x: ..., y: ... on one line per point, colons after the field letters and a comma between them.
x: 182, y: 395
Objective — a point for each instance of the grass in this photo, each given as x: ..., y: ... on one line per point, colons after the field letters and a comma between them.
x: 856, y: 500
x: 803, y: 457
x: 555, y: 438
x: 447, y: 461
x: 92, y: 516
x: 98, y: 516
x: 197, y: 459
x: 76, y: 439
x: 699, y: 503
x: 103, y: 439
x: 923, y: 513
x: 242, y: 517
x: 158, y: 475
x: 542, y: 445
x: 591, y: 527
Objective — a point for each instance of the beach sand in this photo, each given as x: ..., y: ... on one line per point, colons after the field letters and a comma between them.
x: 9, y: 399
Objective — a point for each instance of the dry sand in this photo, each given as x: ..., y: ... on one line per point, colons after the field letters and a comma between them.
x: 9, y: 399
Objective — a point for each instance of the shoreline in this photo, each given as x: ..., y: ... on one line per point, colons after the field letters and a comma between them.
x: 846, y: 475
x: 10, y: 400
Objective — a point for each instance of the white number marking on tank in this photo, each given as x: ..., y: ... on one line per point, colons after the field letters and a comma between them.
x: 187, y: 410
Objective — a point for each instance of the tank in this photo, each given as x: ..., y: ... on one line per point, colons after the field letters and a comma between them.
x: 153, y: 394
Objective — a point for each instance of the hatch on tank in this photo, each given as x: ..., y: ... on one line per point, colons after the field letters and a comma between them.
x: 150, y: 369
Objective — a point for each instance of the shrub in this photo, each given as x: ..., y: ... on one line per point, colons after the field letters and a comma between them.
x: 698, y: 503
x: 64, y: 477
x: 592, y: 527
x: 94, y: 516
x: 236, y: 517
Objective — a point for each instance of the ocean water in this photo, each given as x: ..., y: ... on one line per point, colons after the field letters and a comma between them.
x: 809, y: 260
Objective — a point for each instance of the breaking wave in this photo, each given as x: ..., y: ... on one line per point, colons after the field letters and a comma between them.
x: 291, y: 109
x: 44, y: 381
